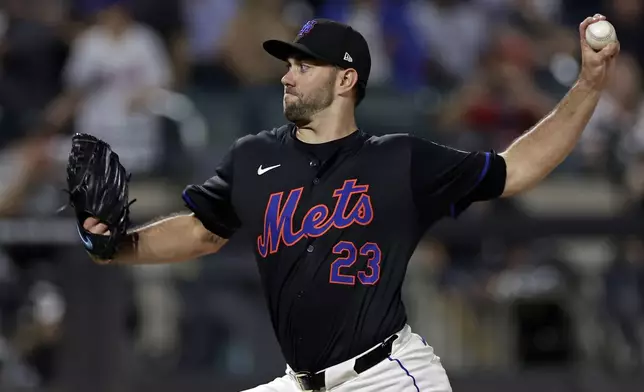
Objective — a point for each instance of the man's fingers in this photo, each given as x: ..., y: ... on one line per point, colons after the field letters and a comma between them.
x: 582, y: 34
x: 89, y: 223
x: 583, y: 26
x: 94, y: 226
x: 609, y: 51
x: 99, y: 229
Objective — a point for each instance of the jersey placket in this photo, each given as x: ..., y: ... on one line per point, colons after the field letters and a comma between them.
x: 314, y: 189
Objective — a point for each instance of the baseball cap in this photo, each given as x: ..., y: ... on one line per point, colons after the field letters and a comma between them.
x: 329, y: 41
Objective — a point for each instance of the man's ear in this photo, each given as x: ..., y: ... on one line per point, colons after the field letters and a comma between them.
x: 348, y: 79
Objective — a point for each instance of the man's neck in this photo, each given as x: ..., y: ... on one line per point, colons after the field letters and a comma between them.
x: 327, y: 126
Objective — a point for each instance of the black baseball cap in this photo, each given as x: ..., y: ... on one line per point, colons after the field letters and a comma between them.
x: 329, y: 41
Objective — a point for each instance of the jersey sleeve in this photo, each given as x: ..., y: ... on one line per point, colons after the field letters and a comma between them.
x: 211, y: 202
x: 446, y: 181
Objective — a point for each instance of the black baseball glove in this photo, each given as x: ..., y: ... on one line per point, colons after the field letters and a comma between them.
x: 98, y: 187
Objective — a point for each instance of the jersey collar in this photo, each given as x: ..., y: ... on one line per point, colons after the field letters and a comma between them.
x: 351, y: 142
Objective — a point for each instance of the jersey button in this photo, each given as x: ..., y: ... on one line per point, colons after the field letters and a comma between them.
x: 310, y: 249
x: 316, y: 181
x: 313, y: 164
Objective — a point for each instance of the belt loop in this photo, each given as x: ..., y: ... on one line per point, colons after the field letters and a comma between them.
x: 303, y: 381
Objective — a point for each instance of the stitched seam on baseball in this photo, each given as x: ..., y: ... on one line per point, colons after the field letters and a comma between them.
x: 608, y: 36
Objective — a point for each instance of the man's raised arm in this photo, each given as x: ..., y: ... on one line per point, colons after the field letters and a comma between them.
x: 534, y: 155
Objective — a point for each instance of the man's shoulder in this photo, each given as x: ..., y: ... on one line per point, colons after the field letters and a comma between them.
x: 409, y: 140
x: 263, y: 138
x: 391, y: 140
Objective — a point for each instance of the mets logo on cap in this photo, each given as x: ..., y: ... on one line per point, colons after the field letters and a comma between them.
x: 308, y: 26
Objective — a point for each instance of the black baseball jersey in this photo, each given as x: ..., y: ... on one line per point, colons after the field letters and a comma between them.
x: 334, y: 225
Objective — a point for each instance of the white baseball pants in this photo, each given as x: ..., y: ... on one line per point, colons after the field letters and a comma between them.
x: 411, y: 367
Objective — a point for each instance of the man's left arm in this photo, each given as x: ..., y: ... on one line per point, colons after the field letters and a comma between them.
x: 540, y: 150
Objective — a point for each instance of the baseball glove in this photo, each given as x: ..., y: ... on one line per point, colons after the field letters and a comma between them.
x: 98, y: 187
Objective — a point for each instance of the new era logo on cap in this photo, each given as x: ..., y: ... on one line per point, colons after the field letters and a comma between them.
x: 347, y: 57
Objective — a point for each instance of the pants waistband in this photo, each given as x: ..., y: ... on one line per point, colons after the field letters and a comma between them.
x: 345, y: 371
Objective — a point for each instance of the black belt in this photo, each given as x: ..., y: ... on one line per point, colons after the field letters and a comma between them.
x: 307, y: 381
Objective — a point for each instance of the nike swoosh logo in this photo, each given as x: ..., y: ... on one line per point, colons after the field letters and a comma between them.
x: 261, y: 170
x: 86, y: 241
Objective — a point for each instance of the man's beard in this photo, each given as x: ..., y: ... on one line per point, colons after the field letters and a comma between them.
x: 301, y: 111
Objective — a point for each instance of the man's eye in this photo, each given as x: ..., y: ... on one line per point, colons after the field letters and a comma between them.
x: 304, y: 67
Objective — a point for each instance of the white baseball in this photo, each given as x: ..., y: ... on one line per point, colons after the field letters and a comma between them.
x: 600, y: 34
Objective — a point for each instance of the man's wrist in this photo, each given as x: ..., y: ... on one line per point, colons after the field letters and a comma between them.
x: 587, y: 86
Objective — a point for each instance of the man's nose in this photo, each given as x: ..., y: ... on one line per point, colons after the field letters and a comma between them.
x: 287, y: 79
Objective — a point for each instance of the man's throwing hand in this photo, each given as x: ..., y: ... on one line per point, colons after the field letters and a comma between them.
x: 596, y: 67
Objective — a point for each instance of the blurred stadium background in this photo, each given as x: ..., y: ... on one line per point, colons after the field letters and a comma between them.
x: 541, y: 292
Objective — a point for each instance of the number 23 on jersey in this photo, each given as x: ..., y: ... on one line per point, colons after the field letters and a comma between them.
x: 349, y: 255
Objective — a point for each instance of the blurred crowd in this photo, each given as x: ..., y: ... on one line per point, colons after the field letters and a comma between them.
x: 170, y: 83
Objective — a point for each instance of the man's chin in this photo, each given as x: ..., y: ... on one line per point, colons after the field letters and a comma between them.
x: 295, y: 118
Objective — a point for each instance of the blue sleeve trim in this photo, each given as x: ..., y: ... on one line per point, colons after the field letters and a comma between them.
x: 188, y: 201
x: 486, y: 168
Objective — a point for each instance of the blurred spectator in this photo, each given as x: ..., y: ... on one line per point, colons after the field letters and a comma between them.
x: 628, y: 18
x: 555, y: 49
x: 527, y: 275
x: 427, y: 302
x: 207, y: 22
x: 157, y: 313
x: 398, y: 59
x: 32, y: 309
x: 39, y: 330
x: 453, y: 34
x: 537, y: 290
x: 242, y: 50
x: 501, y: 100
x: 255, y: 75
x: 115, y: 69
x: 33, y: 49
x: 22, y: 165
x: 615, y: 133
x: 32, y: 53
x: 574, y: 11
x: 634, y: 181
x: 624, y: 282
x: 165, y: 17
x: 366, y: 16
x: 533, y: 14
